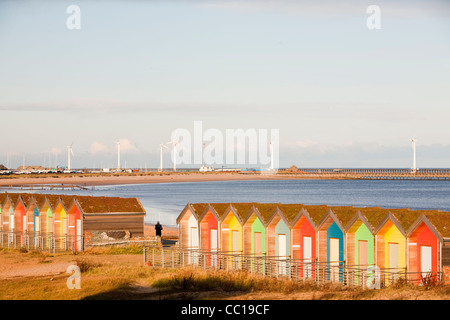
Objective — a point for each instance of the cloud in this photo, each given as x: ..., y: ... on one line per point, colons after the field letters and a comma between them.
x: 333, y: 8
x: 97, y: 147
x: 55, y: 150
x: 128, y: 146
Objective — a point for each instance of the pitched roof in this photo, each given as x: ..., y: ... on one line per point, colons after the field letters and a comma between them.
x: 374, y: 215
x: 91, y: 204
x: 199, y: 207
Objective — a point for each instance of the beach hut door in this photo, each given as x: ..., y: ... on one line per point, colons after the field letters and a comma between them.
x: 24, y: 224
x: 11, y: 228
x: 362, y: 253
x: 194, y: 244
x: 213, y: 239
x: 37, y: 228
x: 334, y: 258
x: 257, y: 243
x: 425, y: 260
x: 393, y: 256
x: 307, y: 255
x: 194, y: 238
x: 213, y: 246
x: 11, y: 222
x: 79, y: 244
x: 235, y: 239
x: 282, y: 253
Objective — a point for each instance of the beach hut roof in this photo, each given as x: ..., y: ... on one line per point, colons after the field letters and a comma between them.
x: 358, y: 216
x: 266, y: 210
x: 419, y: 221
x: 207, y: 208
x: 242, y: 209
x: 187, y: 208
x: 390, y: 217
x: 374, y: 217
x: 107, y: 205
x: 302, y: 213
x: 224, y: 214
x: 253, y: 211
x: 2, y: 198
x: 317, y: 212
x: 290, y: 211
x: 199, y: 208
x: 330, y: 215
x: 277, y: 212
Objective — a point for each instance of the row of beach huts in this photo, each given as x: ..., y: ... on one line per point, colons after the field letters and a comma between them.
x: 65, y: 222
x: 398, y: 243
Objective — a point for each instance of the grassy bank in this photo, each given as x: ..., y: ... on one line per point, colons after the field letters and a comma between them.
x: 118, y: 273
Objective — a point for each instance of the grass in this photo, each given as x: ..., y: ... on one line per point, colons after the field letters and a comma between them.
x: 105, y: 276
x: 112, y: 250
x: 198, y: 280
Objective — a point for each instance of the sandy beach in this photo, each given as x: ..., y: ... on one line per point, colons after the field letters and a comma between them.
x: 85, y: 180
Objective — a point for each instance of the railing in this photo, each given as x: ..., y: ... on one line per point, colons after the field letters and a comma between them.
x: 41, y: 241
x: 338, y: 272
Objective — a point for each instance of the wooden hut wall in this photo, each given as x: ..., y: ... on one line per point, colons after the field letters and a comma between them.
x: 258, y: 235
x: 114, y: 222
x: 183, y: 226
x: 390, y: 242
x: 192, y: 236
x: 334, y: 232
x: 423, y: 248
x: 231, y: 232
x: 359, y: 236
x: 75, y: 226
x: 282, y: 232
x: 207, y: 224
x: 31, y: 208
x: 271, y: 235
x: 303, y: 229
x: 20, y: 211
x: 328, y: 232
x: 7, y: 210
x: 235, y: 229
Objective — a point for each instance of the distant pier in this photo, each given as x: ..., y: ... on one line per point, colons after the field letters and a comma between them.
x: 377, y: 174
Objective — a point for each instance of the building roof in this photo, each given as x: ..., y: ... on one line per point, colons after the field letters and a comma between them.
x: 88, y: 204
x: 374, y: 215
x: 91, y: 204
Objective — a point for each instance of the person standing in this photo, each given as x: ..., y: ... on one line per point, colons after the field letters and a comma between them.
x: 158, y: 229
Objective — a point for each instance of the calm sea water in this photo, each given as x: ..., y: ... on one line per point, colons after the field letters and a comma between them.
x: 164, y: 201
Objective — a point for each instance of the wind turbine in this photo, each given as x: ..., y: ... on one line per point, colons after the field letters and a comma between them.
x: 271, y: 155
x: 69, y: 152
x: 174, y: 153
x: 118, y: 154
x: 161, y: 146
x: 413, y: 140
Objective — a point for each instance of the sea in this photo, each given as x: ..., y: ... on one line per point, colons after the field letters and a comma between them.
x: 164, y: 201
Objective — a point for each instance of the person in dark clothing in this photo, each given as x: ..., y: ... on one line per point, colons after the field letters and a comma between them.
x: 158, y: 228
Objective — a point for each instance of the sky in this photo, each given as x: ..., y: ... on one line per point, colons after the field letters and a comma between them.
x: 339, y: 93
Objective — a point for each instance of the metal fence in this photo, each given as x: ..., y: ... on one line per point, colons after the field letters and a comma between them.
x: 41, y: 241
x: 338, y: 272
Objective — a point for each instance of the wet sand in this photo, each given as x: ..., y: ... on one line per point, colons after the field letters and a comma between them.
x: 139, y: 179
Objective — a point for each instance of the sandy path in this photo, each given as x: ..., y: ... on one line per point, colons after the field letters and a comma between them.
x: 13, y: 265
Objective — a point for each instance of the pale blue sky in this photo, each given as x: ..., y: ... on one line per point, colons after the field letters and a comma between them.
x: 341, y: 95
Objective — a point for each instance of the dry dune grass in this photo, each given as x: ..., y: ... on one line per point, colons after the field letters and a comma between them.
x: 42, y: 276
